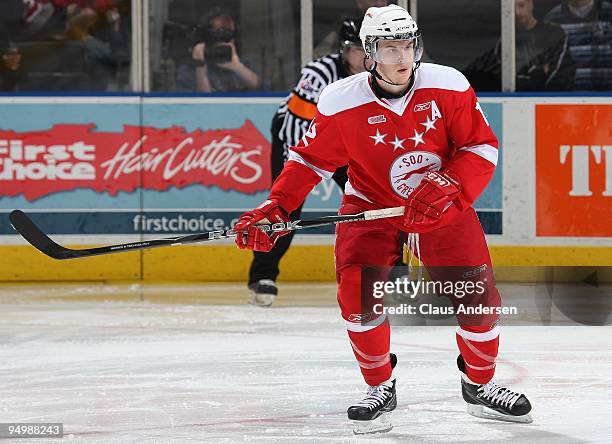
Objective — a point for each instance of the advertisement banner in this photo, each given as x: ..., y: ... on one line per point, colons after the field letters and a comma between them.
x: 573, y: 170
x: 70, y: 157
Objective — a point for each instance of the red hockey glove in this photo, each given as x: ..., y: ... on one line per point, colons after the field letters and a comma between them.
x: 252, y: 238
x: 431, y: 198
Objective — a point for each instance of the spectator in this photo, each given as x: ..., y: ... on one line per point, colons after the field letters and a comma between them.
x: 330, y: 42
x: 104, y: 33
x: 543, y: 62
x: 10, y: 57
x: 11, y: 71
x: 109, y: 48
x: 588, y: 24
x: 78, y: 45
x: 65, y: 19
x: 216, y: 65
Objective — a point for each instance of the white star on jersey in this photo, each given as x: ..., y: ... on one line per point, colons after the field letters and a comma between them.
x: 398, y: 143
x: 418, y: 138
x: 430, y: 124
x: 379, y: 138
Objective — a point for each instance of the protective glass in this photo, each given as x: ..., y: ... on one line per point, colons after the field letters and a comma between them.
x: 393, y: 52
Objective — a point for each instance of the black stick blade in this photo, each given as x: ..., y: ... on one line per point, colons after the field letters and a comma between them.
x: 39, y: 240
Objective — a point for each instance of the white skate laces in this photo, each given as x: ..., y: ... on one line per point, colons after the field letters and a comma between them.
x: 498, y: 395
x: 377, y: 395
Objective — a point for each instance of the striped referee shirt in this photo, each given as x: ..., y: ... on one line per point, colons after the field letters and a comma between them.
x: 300, y: 107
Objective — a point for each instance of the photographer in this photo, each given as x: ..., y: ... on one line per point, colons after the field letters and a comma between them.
x: 216, y: 66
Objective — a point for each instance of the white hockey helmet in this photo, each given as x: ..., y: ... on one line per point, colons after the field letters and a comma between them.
x: 389, y: 23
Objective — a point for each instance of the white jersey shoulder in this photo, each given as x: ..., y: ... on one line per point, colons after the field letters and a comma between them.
x: 354, y: 91
x: 435, y: 76
x: 348, y: 93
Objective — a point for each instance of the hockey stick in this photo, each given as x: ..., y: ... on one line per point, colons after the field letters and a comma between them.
x: 34, y: 235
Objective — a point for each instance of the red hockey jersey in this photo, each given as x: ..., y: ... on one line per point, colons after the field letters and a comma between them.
x: 390, y: 144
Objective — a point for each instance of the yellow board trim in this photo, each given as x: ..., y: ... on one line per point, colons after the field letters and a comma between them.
x: 24, y: 263
x: 226, y: 263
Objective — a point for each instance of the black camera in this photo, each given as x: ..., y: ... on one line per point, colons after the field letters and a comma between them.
x: 214, y: 52
x: 218, y: 54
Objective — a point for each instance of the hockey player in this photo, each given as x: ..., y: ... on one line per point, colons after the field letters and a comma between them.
x: 414, y: 135
x: 289, y: 125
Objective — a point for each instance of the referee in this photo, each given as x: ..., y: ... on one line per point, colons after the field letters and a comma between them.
x: 289, y: 125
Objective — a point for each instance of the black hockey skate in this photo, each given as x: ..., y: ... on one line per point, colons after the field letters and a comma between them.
x: 372, y: 413
x: 490, y: 401
x: 263, y: 292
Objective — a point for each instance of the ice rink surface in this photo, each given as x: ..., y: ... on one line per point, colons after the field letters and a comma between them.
x: 168, y: 363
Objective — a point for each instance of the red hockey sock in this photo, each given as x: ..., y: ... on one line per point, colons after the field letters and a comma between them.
x: 371, y: 348
x: 478, y: 347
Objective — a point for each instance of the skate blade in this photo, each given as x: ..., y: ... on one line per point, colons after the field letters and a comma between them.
x: 261, y: 300
x: 382, y: 424
x: 480, y: 411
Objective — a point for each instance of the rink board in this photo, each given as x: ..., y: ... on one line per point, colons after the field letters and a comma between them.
x: 124, y: 204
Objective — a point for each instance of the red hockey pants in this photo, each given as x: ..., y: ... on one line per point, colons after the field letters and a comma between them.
x: 460, y: 245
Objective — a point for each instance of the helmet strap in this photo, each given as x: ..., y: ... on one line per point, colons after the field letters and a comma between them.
x: 380, y: 92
